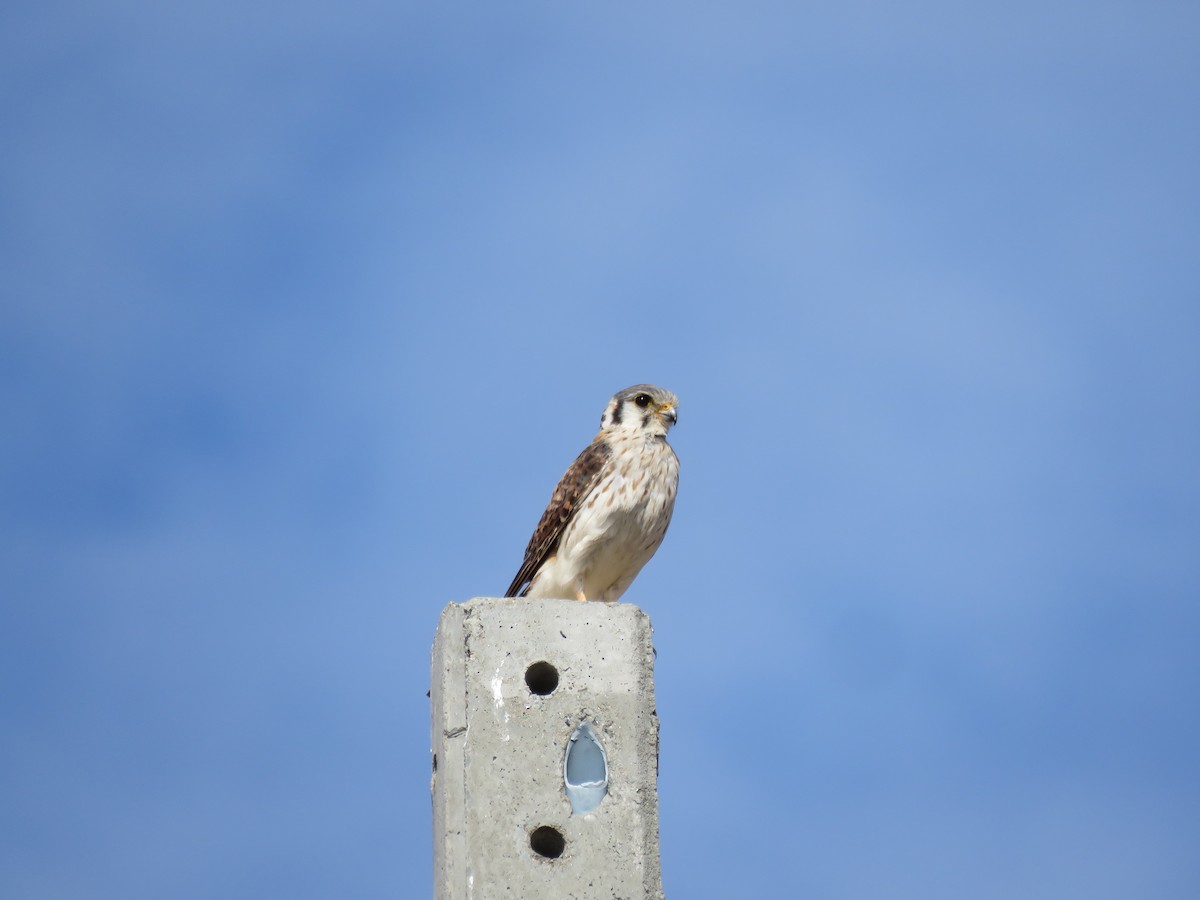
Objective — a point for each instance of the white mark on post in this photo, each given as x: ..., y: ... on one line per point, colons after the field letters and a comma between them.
x: 498, y: 690
x: 498, y: 697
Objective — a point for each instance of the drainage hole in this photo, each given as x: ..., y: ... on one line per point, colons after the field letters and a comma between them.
x: 542, y: 678
x: 548, y: 842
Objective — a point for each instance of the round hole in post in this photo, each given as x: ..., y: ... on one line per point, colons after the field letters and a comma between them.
x: 542, y: 678
x: 548, y: 842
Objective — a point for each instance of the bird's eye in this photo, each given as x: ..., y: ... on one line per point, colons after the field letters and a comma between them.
x: 642, y: 400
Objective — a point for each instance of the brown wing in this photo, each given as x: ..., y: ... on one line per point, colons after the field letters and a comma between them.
x: 572, y: 489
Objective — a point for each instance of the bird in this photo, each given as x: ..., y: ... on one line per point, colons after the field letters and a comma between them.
x: 611, y: 509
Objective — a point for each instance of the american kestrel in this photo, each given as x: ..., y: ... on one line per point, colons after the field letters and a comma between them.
x: 611, y: 509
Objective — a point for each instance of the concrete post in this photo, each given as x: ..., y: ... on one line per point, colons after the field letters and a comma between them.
x: 545, y: 752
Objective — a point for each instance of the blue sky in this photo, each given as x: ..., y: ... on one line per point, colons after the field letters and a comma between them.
x: 307, y: 306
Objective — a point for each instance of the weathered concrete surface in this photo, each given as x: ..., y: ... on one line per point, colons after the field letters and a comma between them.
x: 498, y: 750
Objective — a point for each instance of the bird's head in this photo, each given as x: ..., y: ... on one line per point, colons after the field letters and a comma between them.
x: 641, y: 409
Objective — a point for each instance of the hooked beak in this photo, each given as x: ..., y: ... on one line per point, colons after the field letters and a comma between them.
x: 669, y: 413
